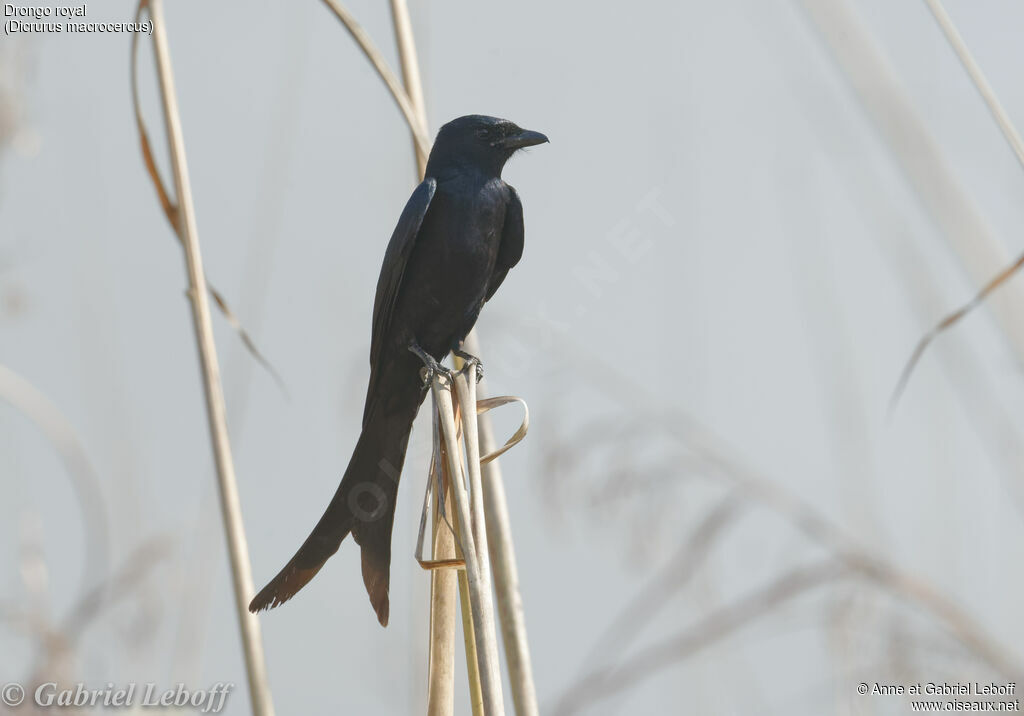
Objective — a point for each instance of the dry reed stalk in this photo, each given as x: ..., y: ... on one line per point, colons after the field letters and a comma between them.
x: 377, y: 60
x: 411, y: 76
x: 465, y: 391
x: 443, y: 600
x: 476, y: 694
x: 503, y: 561
x: 978, y: 78
x: 469, y: 630
x: 485, y: 637
x: 443, y: 590
x: 252, y: 644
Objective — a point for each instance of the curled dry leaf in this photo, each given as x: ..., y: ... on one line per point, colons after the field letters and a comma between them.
x: 483, y: 406
x: 438, y: 472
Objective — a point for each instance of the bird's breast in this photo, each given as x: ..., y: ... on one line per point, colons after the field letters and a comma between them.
x: 473, y: 222
x: 457, y: 245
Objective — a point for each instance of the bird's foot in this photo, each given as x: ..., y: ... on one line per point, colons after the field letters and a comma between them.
x: 472, y: 360
x: 431, y: 367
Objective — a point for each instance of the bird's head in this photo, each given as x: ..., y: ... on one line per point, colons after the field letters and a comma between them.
x: 478, y: 142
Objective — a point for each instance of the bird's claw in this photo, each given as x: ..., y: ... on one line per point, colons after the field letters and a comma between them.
x: 470, y: 359
x: 429, y: 373
x: 478, y: 368
x: 431, y: 368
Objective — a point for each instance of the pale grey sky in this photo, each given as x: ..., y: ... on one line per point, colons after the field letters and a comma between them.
x: 766, y: 296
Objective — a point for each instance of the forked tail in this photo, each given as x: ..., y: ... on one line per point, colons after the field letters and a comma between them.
x: 364, y: 505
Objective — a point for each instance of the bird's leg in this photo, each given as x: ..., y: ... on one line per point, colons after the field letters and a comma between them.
x: 433, y: 368
x: 470, y: 359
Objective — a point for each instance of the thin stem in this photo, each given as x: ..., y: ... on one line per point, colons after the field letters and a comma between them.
x: 506, y: 572
x: 377, y: 60
x: 465, y: 390
x: 252, y: 643
x: 410, y: 75
x: 476, y: 694
x: 443, y: 587
x: 978, y: 77
x: 491, y: 688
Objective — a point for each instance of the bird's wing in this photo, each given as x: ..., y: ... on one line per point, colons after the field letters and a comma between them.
x: 395, y: 259
x: 511, y: 248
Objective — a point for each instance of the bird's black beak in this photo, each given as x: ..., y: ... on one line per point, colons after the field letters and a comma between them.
x: 523, y: 138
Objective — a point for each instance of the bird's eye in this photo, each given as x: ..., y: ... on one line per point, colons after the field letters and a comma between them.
x: 483, y: 133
